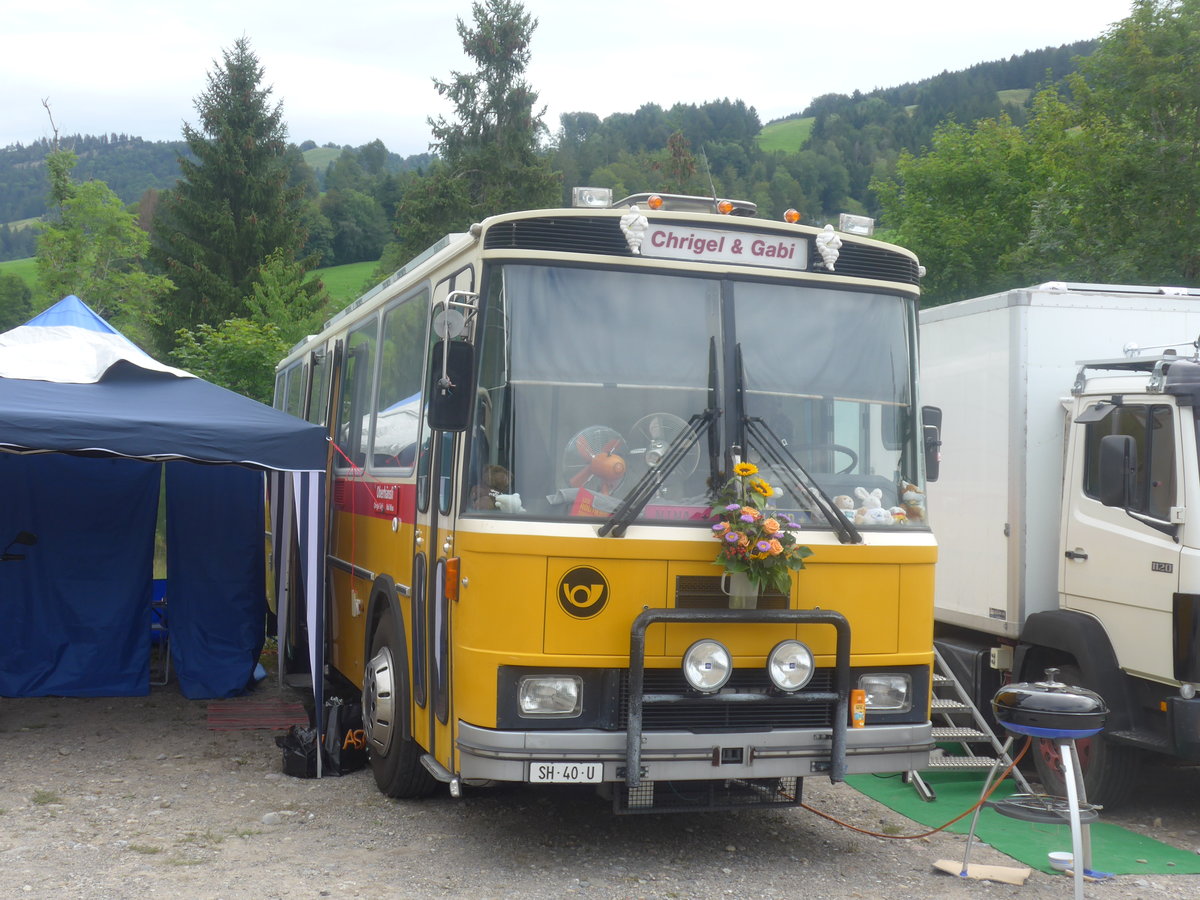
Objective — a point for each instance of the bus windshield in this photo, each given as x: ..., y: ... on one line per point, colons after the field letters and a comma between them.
x: 588, y: 375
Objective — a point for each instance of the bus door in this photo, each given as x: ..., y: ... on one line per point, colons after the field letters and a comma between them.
x: 449, y: 389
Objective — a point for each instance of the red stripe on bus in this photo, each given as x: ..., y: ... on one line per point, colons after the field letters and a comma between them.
x: 380, y: 499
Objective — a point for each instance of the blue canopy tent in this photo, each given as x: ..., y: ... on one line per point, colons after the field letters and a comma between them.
x: 90, y: 427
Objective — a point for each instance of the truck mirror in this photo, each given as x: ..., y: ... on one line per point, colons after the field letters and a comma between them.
x: 451, y: 385
x: 1118, y: 462
x: 931, y: 427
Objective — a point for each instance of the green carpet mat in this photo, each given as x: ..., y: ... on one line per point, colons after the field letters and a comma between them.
x: 1114, y: 849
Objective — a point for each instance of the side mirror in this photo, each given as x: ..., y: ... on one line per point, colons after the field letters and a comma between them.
x: 451, y: 385
x: 1118, y: 462
x: 931, y: 428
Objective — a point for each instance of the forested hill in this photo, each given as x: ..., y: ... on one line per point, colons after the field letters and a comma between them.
x: 825, y: 168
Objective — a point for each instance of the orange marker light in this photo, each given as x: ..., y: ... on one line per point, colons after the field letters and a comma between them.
x: 858, y: 708
x: 452, y: 583
x: 654, y: 201
x: 724, y: 207
x: 792, y: 216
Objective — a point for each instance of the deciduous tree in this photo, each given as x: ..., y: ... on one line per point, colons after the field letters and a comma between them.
x: 16, y: 301
x: 94, y: 249
x: 962, y: 206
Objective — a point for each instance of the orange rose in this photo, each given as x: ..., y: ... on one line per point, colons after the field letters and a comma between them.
x: 770, y: 526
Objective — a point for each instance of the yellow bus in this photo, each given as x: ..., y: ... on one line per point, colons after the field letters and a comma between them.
x: 530, y: 422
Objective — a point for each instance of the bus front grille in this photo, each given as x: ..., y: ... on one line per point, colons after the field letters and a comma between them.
x: 700, y: 713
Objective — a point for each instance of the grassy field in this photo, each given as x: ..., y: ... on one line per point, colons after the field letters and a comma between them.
x: 25, y: 269
x: 320, y: 157
x: 787, y: 136
x: 345, y: 283
x: 1017, y: 97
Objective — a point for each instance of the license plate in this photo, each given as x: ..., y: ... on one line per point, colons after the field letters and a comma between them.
x: 566, y: 773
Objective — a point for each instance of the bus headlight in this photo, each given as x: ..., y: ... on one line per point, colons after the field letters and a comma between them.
x: 707, y: 666
x: 790, y: 666
x: 887, y: 691
x: 550, y: 695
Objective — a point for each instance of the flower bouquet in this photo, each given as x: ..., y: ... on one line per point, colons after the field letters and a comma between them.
x: 760, y: 546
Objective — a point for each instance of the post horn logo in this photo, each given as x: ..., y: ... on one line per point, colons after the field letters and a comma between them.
x: 582, y: 592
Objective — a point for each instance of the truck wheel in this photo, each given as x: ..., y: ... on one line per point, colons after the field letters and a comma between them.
x: 1110, y: 771
x: 395, y: 761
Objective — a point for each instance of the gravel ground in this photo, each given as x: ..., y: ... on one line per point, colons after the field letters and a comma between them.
x: 136, y: 797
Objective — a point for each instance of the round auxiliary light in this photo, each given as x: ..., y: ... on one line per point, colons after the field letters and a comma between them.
x: 792, y: 216
x: 654, y: 201
x: 707, y: 666
x: 790, y: 666
x: 725, y: 207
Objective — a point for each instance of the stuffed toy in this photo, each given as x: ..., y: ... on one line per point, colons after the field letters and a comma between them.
x: 493, y: 491
x: 845, y: 503
x: 899, y: 516
x: 913, y: 501
x: 870, y: 510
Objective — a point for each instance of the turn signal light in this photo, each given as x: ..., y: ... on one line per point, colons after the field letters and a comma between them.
x: 654, y: 201
x: 451, y: 574
x: 792, y: 216
x: 725, y: 207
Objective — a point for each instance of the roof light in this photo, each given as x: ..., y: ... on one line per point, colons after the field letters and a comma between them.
x: 863, y: 225
x: 654, y: 201
x: 724, y: 207
x: 591, y: 197
x: 792, y: 216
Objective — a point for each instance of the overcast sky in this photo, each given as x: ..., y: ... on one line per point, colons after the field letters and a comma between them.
x: 359, y: 70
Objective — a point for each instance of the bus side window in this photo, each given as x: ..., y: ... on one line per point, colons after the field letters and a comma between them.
x: 398, y: 405
x: 354, y: 418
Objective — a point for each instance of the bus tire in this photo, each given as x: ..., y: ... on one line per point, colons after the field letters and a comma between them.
x: 1110, y: 771
x: 395, y: 759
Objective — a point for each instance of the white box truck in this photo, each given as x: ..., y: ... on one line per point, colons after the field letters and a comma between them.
x: 1067, y: 508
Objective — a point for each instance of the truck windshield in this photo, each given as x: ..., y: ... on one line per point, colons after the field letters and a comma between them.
x: 588, y: 375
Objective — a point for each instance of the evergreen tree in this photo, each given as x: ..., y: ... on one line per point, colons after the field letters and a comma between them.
x: 490, y: 160
x: 232, y: 207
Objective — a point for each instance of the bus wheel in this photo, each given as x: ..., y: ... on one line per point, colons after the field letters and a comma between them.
x: 395, y: 760
x: 1110, y: 771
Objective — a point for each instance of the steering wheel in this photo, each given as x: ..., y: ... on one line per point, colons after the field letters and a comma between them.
x: 836, y: 448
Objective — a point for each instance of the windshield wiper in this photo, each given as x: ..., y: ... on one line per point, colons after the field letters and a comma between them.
x: 796, y: 479
x: 650, y: 483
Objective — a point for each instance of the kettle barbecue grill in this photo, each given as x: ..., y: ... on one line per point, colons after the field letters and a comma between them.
x: 1063, y: 713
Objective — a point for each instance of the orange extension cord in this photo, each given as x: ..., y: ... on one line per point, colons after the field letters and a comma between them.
x: 913, y: 837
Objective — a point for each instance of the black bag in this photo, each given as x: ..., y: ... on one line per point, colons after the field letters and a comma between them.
x: 345, y: 743
x: 299, y: 746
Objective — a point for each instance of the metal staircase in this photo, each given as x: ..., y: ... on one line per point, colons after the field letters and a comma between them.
x: 956, y: 720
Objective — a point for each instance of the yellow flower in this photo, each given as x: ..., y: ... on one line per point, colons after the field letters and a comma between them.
x: 761, y: 487
x: 745, y: 469
x: 770, y: 526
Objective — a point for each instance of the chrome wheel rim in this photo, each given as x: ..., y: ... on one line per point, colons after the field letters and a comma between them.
x: 379, y: 701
